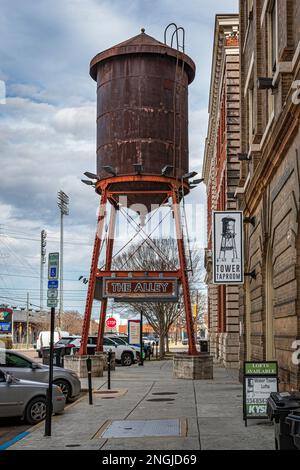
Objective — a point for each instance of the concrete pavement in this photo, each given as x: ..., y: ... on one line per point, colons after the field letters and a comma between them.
x: 211, y: 412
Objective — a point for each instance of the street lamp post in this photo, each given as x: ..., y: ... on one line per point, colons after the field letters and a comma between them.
x: 63, y: 204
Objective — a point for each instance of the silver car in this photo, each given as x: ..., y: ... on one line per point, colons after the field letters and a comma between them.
x: 22, y: 367
x: 27, y: 399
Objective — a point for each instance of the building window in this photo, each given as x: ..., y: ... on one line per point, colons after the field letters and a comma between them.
x: 272, y: 49
x: 249, y: 9
x: 250, y: 115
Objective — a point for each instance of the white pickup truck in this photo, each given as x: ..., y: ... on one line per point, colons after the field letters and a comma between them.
x: 126, y: 355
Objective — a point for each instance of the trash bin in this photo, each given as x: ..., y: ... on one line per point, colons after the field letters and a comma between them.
x: 58, y: 356
x: 293, y: 420
x: 279, y: 406
x: 203, y: 343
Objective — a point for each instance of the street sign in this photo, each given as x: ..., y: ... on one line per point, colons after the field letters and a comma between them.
x: 260, y: 379
x: 228, y: 263
x: 52, y: 294
x: 111, y: 322
x: 52, y: 302
x: 141, y: 289
x: 53, y: 266
x: 6, y: 315
x: 52, y: 284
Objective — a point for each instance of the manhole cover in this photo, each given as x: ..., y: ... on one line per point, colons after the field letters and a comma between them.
x: 143, y: 428
x: 161, y: 399
x: 164, y: 393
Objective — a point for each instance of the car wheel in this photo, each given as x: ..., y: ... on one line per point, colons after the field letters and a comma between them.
x: 126, y: 359
x: 65, y: 387
x: 36, y: 410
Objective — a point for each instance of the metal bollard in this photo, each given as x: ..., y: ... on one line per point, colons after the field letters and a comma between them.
x: 156, y: 350
x: 89, y: 371
x: 108, y: 369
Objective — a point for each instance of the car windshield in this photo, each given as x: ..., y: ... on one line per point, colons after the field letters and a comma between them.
x: 118, y: 340
x: 64, y: 341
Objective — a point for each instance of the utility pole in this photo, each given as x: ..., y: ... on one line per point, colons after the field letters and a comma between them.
x: 27, y: 321
x: 63, y: 204
x: 43, y: 262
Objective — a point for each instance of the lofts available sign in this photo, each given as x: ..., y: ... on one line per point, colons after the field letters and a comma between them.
x: 228, y: 263
x: 260, y: 380
x: 141, y: 290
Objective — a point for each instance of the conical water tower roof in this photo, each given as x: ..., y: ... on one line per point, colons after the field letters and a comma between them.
x: 143, y: 44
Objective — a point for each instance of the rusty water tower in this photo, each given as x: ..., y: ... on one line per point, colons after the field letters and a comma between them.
x: 142, y: 144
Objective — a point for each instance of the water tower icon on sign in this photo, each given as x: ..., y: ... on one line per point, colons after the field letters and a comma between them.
x: 228, y: 239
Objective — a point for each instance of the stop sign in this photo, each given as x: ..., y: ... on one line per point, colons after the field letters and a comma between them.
x: 111, y: 322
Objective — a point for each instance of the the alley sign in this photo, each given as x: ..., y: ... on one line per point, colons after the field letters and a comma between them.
x: 141, y: 290
x: 228, y: 247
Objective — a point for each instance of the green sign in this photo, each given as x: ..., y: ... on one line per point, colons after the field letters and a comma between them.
x: 260, y: 368
x: 260, y: 380
x: 53, y: 266
x: 52, y: 302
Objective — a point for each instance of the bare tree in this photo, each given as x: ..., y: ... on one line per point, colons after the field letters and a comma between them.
x: 161, y: 256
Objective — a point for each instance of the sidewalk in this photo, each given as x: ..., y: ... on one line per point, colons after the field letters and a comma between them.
x: 211, y: 412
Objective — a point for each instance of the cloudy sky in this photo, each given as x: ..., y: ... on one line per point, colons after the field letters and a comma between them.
x: 47, y: 122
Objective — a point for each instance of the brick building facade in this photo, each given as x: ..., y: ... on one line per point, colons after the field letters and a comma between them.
x: 221, y: 176
x: 269, y: 183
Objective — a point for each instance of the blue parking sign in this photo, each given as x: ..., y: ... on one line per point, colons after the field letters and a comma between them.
x: 53, y: 272
x: 52, y: 284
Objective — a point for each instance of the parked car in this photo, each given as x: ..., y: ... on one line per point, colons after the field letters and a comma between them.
x: 44, y: 340
x: 121, y: 340
x: 126, y: 355
x: 27, y: 399
x: 66, y: 344
x: 22, y: 367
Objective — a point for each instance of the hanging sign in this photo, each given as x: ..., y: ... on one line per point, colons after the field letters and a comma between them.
x: 260, y: 380
x: 228, y: 262
x: 141, y: 289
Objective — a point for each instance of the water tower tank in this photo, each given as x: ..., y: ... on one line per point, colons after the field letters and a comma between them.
x: 142, y: 108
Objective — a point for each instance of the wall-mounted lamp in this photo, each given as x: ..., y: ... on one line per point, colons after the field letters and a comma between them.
x: 244, y: 157
x: 252, y: 274
x: 249, y: 220
x: 265, y: 83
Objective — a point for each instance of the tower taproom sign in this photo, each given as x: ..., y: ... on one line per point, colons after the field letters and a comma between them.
x: 141, y: 290
x: 228, y: 264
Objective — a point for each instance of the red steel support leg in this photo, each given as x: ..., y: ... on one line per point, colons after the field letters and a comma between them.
x: 92, y: 280
x: 108, y: 259
x: 184, y: 277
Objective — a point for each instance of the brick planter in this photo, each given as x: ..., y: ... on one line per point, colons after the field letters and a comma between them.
x: 193, y: 367
x: 78, y: 364
x: 104, y: 355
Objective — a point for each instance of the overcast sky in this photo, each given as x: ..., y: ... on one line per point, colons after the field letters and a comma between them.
x: 47, y: 126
